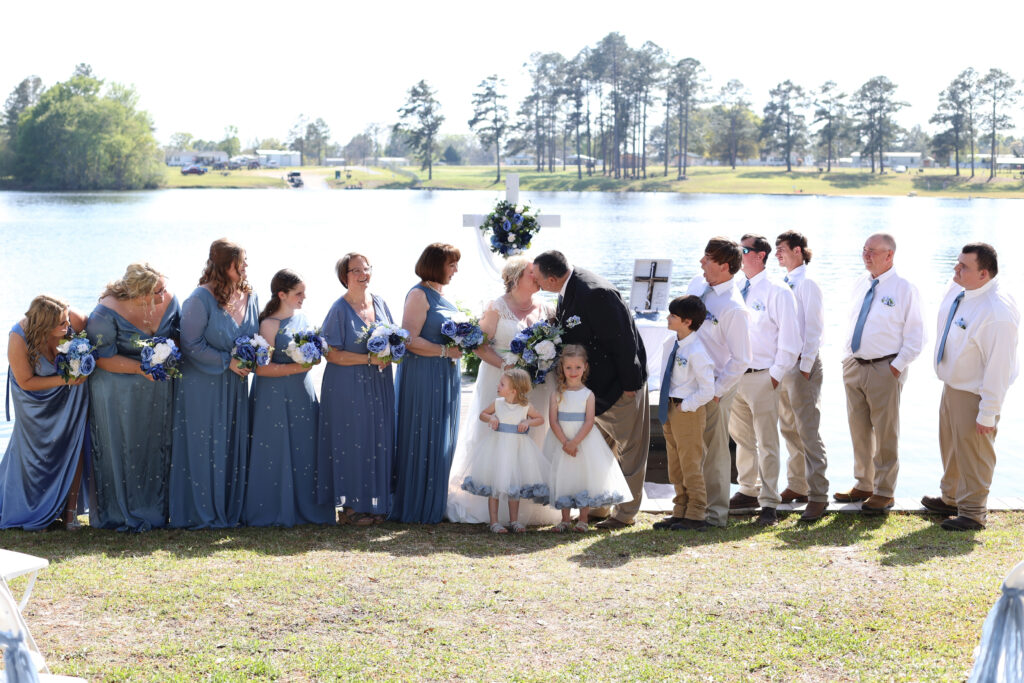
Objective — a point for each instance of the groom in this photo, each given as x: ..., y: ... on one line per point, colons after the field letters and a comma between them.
x: 618, y: 367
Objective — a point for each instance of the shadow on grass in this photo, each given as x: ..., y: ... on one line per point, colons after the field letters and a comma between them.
x: 926, y: 544
x: 836, y: 529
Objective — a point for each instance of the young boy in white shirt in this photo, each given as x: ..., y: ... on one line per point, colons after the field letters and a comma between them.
x: 687, y: 385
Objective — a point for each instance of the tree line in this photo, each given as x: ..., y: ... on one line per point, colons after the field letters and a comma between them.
x: 617, y: 108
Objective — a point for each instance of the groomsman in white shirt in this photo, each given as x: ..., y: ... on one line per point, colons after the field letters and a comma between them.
x: 754, y: 420
x: 886, y: 334
x: 800, y: 393
x: 726, y: 339
x: 976, y: 358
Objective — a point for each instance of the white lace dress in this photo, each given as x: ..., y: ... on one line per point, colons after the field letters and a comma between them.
x: 506, y: 463
x: 464, y: 506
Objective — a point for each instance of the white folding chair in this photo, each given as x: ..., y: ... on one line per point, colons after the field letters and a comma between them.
x: 1001, y: 653
x: 30, y: 665
x: 13, y: 564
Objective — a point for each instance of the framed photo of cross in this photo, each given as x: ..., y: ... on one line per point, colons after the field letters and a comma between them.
x: 650, y: 285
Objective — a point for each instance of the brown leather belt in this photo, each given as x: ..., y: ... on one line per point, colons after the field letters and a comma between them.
x: 864, y: 361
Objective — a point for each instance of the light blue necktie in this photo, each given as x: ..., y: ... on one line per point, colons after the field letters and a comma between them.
x: 707, y: 290
x: 786, y: 280
x: 665, y: 385
x: 949, y: 321
x: 858, y: 330
x: 746, y: 288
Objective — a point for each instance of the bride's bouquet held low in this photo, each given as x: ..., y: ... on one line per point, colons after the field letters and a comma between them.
x: 536, y: 348
x: 386, y: 341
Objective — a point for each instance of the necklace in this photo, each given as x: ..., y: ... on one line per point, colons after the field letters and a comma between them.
x: 433, y: 285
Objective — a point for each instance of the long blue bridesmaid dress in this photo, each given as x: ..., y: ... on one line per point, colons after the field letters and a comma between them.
x: 49, y: 434
x: 210, y: 451
x: 356, y: 455
x: 282, y: 452
x: 427, y: 396
x: 131, y: 420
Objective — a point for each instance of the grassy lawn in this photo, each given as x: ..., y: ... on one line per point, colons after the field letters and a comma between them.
x: 744, y: 180
x: 225, y: 179
x: 850, y: 598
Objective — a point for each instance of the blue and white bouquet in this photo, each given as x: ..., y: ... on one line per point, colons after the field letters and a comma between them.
x: 306, y: 348
x: 251, y: 351
x: 464, y: 331
x: 74, y: 357
x: 386, y: 341
x: 160, y: 358
x: 511, y: 227
x: 536, y: 348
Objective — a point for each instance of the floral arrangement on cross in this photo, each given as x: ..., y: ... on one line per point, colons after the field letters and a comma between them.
x: 511, y: 226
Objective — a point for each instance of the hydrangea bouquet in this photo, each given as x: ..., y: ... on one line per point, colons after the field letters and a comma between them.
x: 306, y: 348
x: 464, y: 331
x: 160, y: 358
x: 386, y: 341
x: 74, y: 357
x: 251, y: 351
x: 511, y: 227
x: 536, y: 348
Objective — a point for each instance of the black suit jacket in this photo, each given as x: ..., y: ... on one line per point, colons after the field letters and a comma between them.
x: 615, y: 352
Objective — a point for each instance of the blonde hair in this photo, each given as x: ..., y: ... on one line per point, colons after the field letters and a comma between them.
x: 520, y: 381
x: 570, y: 351
x: 513, y: 271
x: 43, y: 314
x: 139, y: 279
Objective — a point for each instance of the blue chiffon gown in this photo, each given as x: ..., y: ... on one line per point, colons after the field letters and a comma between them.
x: 210, y: 451
x: 282, y: 452
x: 356, y: 455
x: 48, y: 437
x: 131, y: 421
x: 428, y: 393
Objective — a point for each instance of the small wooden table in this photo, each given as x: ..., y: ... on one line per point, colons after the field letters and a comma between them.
x: 13, y: 564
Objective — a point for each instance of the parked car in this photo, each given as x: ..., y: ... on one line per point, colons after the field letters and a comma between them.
x: 193, y: 169
x: 295, y: 179
x: 220, y: 166
x: 254, y: 165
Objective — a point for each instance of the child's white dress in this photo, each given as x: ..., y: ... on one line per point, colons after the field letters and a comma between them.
x: 506, y: 463
x: 591, y: 479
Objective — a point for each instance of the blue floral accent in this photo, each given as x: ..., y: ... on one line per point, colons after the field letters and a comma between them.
x: 573, y: 321
x: 476, y: 489
x: 888, y: 301
x: 961, y: 323
x: 681, y: 361
x: 710, y: 318
x: 511, y: 228
x: 583, y: 499
x: 538, y: 493
x: 757, y: 306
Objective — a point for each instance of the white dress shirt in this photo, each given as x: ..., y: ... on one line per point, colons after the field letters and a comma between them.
x: 981, y: 349
x: 894, y: 324
x: 726, y: 331
x: 810, y: 314
x: 774, y: 333
x: 693, y: 373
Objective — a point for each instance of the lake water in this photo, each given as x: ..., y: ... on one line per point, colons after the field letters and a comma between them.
x: 72, y: 244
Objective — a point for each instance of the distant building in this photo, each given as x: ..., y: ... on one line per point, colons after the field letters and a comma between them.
x: 908, y: 159
x: 334, y: 161
x: 392, y: 161
x: 279, y: 157
x: 187, y: 157
x: 520, y: 160
x: 691, y: 160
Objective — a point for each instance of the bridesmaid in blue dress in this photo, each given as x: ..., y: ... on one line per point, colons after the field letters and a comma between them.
x: 131, y: 416
x: 427, y: 386
x: 210, y: 451
x: 357, y: 411
x: 40, y: 473
x: 283, y: 415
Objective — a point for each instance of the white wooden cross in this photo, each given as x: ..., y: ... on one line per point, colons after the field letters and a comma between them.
x: 475, y: 220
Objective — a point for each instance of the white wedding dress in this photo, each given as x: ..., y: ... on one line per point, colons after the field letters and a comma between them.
x: 463, y: 506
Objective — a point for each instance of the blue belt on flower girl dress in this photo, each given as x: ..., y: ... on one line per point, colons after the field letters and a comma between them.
x: 571, y: 417
x: 510, y: 429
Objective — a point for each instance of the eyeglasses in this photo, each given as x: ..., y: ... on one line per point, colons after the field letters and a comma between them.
x: 361, y: 271
x: 747, y: 250
x: 874, y: 251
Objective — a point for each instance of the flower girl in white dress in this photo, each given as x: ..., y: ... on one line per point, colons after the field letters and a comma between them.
x: 584, y: 471
x: 506, y: 463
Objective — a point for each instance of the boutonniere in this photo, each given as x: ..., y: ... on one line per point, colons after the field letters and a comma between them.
x: 711, y: 319
x: 791, y: 284
x: 681, y: 361
x: 888, y: 301
x: 757, y: 306
x: 961, y: 323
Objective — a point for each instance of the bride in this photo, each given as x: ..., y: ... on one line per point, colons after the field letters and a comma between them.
x: 502, y: 319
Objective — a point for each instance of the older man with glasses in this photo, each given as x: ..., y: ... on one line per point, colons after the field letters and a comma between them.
x: 886, y: 335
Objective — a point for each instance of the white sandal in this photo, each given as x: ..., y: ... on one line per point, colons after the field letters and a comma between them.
x: 498, y: 529
x: 581, y: 527
x: 562, y: 527
x: 517, y: 527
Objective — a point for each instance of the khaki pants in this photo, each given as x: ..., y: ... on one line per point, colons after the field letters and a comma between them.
x: 754, y: 426
x: 873, y: 409
x: 684, y: 443
x: 799, y: 421
x: 626, y: 426
x: 968, y: 458
x: 717, y: 461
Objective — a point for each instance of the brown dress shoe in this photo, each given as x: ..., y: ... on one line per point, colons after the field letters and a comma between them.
x: 741, y: 503
x: 961, y: 524
x: 854, y: 495
x: 938, y: 506
x: 813, y: 512
x: 791, y: 496
x: 877, y: 505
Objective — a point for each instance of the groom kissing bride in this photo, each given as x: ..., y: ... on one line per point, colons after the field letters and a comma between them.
x: 618, y: 368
